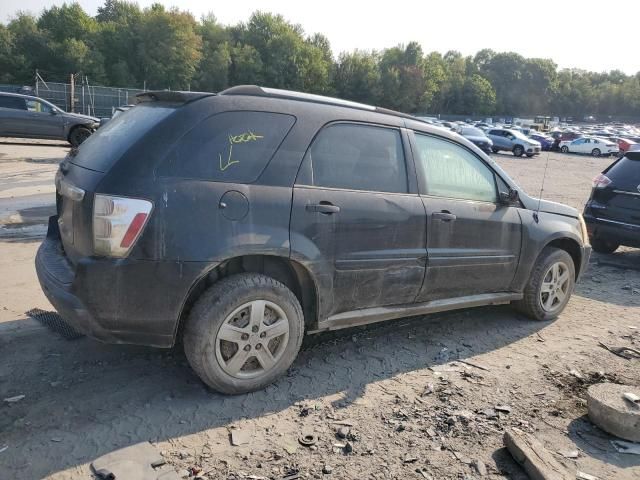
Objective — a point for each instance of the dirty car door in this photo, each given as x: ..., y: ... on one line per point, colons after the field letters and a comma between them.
x: 354, y: 223
x: 473, y: 241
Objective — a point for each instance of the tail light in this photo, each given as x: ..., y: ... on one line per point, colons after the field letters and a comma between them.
x: 601, y: 181
x: 117, y: 223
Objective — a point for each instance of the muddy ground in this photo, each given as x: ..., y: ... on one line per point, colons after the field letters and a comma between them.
x: 413, y: 410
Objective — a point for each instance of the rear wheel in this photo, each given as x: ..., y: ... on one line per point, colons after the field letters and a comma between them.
x: 550, y: 285
x: 78, y: 135
x: 564, y: 149
x: 495, y: 150
x: 595, y: 152
x: 518, y: 150
x: 243, y: 333
x: 601, y: 245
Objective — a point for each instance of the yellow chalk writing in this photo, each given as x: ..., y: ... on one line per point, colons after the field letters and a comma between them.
x: 235, y: 139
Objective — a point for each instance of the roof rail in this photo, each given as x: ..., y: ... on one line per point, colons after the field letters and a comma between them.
x: 171, y: 96
x: 256, y: 91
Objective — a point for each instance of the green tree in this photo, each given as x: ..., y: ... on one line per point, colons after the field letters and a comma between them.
x: 478, y: 96
x: 357, y: 77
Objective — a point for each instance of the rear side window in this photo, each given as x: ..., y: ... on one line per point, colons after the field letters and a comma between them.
x: 625, y: 173
x: 228, y: 147
x: 15, y: 103
x: 102, y: 149
x: 358, y: 157
x: 449, y: 170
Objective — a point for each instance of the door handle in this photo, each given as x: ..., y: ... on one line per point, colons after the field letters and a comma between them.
x: 323, y: 207
x: 443, y: 216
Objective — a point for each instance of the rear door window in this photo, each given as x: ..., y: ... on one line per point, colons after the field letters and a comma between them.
x: 14, y: 103
x: 358, y: 157
x: 228, y: 147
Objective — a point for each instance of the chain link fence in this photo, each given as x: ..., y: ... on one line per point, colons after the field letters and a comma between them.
x: 88, y: 99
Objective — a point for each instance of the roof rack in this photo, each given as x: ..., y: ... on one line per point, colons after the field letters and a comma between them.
x: 256, y: 91
x: 171, y: 96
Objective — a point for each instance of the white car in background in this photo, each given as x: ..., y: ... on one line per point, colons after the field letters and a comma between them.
x: 593, y: 146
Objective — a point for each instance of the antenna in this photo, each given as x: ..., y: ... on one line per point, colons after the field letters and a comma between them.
x: 544, y: 176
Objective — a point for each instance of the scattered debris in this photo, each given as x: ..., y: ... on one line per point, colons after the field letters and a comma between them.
x: 570, y: 453
x: 503, y: 408
x: 632, y: 398
x: 408, y: 458
x: 610, y: 411
x: 475, y: 365
x: 15, y: 399
x: 626, y: 447
x: 327, y: 469
x: 462, y: 458
x: 622, y: 351
x: 424, y: 472
x: 139, y: 461
x: 308, y: 439
x: 2, y: 449
x: 536, y: 460
x: 576, y: 374
x: 56, y: 439
x: 240, y: 437
x: 428, y: 390
x: 480, y: 467
x: 585, y: 476
x: 290, y: 448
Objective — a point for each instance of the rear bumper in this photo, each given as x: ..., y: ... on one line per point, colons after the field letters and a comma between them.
x: 116, y: 300
x: 620, y: 232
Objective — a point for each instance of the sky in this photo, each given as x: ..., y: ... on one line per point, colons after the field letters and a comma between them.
x: 573, y: 33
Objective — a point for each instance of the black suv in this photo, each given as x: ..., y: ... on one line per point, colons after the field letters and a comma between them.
x: 612, y: 213
x: 242, y: 220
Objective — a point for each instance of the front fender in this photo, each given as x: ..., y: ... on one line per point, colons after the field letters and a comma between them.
x: 537, y: 235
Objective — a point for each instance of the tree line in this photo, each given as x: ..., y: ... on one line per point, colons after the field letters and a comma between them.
x: 158, y: 48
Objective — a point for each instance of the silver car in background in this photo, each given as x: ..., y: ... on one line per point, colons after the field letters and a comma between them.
x: 513, y: 141
x: 25, y: 116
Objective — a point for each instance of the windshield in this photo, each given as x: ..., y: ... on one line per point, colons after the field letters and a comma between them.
x: 472, y: 132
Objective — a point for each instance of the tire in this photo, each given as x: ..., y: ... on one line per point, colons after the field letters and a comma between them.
x: 78, y: 135
x: 564, y: 149
x: 601, y: 245
x: 532, y: 302
x: 518, y: 150
x: 495, y: 150
x: 228, y: 303
x: 595, y: 152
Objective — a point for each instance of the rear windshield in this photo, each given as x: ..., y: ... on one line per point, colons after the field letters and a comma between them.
x: 230, y: 147
x: 625, y: 173
x: 102, y: 149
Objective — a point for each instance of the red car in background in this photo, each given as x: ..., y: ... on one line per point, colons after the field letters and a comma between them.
x: 624, y: 144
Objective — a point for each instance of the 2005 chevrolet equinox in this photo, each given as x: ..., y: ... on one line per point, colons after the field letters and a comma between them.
x: 240, y: 221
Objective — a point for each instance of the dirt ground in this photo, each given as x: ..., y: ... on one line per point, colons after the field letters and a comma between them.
x: 414, y: 411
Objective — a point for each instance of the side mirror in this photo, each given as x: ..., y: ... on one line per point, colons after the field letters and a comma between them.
x: 509, y: 198
x: 54, y: 112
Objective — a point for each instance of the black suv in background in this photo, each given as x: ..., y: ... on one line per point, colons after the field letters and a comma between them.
x: 612, y: 213
x: 242, y: 220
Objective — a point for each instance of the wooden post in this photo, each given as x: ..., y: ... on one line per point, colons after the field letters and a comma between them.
x: 72, y: 94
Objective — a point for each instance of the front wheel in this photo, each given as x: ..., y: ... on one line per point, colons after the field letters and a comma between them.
x: 529, y: 155
x: 78, y: 135
x: 243, y: 333
x: 550, y: 285
x: 495, y: 150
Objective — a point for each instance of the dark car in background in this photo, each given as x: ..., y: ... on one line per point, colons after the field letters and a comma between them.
x: 240, y: 221
x: 477, y: 137
x: 546, y: 141
x: 612, y: 213
x: 26, y: 116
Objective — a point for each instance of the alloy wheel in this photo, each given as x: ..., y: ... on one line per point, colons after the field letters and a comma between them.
x: 555, y: 287
x: 252, y: 339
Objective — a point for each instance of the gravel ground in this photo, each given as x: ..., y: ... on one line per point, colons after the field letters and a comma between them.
x: 409, y: 407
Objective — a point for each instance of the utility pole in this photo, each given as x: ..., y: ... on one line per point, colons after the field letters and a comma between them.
x: 73, y: 93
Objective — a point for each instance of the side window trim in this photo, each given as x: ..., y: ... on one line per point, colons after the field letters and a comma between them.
x: 424, y: 181
x: 305, y: 179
